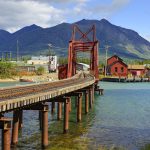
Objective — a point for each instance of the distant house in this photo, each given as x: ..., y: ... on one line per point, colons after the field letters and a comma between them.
x: 83, y: 66
x: 26, y: 68
x: 116, y: 66
x: 51, y: 61
x: 136, y: 70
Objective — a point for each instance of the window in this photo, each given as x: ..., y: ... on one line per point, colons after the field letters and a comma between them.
x: 122, y: 69
x: 116, y: 69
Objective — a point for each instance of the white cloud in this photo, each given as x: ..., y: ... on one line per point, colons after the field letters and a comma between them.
x: 101, y: 9
x: 16, y: 14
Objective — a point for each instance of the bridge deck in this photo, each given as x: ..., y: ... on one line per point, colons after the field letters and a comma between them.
x: 12, y: 98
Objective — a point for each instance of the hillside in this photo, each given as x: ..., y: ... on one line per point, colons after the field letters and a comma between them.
x: 34, y: 39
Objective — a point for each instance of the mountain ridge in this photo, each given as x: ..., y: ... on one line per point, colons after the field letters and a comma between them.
x: 33, y: 39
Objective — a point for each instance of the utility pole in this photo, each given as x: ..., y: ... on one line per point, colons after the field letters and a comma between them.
x: 49, y: 53
x: 10, y: 55
x: 17, y: 52
x: 106, y: 48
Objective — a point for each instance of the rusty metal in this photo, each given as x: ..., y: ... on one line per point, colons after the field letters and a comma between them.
x: 86, y: 42
x: 44, y: 113
x: 62, y: 71
x: 5, y: 125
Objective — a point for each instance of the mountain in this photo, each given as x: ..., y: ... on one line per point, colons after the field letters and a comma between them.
x: 34, y: 39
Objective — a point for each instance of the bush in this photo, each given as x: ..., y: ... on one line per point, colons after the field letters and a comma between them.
x: 7, y: 70
x: 40, y: 70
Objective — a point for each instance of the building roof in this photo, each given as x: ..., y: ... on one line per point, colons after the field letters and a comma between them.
x: 141, y: 67
x: 121, y: 62
x: 115, y: 57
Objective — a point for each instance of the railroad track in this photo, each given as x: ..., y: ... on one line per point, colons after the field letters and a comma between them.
x: 16, y: 92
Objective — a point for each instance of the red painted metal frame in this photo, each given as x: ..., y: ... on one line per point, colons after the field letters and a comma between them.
x: 85, y: 43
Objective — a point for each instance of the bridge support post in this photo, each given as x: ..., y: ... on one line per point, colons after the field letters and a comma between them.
x: 69, y: 104
x: 44, y: 113
x: 59, y: 110
x: 90, y: 97
x: 15, y: 127
x: 79, y: 107
x: 66, y: 114
x: 52, y: 107
x: 40, y: 119
x: 76, y: 101
x: 5, y: 125
x: 20, y: 119
x: 86, y: 101
x: 93, y: 90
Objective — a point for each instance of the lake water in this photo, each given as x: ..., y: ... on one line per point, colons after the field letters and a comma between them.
x: 120, y: 118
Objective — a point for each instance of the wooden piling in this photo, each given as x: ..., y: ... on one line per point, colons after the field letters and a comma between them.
x: 20, y: 119
x: 44, y: 113
x: 52, y: 107
x: 86, y: 101
x: 40, y: 119
x: 93, y: 90
x: 5, y: 125
x: 66, y: 115
x: 90, y: 97
x: 69, y: 104
x: 79, y: 108
x: 6, y: 139
x: 15, y: 127
x: 59, y: 110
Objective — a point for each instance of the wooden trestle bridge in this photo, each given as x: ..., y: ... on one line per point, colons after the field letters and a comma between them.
x: 37, y: 96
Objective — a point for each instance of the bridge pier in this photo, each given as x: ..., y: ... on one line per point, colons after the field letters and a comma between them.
x: 69, y: 104
x: 66, y: 114
x: 20, y: 119
x: 40, y: 119
x: 52, y: 107
x: 15, y: 127
x: 59, y: 110
x: 90, y: 97
x: 79, y: 107
x: 93, y: 91
x: 5, y: 125
x: 86, y: 101
x: 44, y: 114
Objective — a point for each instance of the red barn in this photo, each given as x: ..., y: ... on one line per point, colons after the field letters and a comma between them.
x: 116, y: 66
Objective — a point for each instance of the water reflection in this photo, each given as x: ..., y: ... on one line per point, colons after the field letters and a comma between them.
x: 120, y: 118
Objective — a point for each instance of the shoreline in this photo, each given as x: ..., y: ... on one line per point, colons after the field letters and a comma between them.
x: 35, y: 78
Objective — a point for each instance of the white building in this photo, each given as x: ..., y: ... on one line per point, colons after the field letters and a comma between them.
x: 51, y: 61
x: 82, y: 66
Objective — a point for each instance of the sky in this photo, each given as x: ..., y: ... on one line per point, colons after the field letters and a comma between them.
x: 131, y: 14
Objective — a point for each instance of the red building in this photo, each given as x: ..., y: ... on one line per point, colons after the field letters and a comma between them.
x: 116, y: 66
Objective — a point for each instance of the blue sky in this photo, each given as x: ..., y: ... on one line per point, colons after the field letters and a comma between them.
x: 132, y: 14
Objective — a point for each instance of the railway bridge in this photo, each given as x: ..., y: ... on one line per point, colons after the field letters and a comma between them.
x: 38, y: 96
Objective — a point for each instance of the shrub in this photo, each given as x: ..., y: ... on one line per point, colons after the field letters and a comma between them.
x: 40, y: 70
x: 7, y: 70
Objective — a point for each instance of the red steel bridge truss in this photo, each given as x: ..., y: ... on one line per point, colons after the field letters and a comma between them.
x: 83, y: 42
